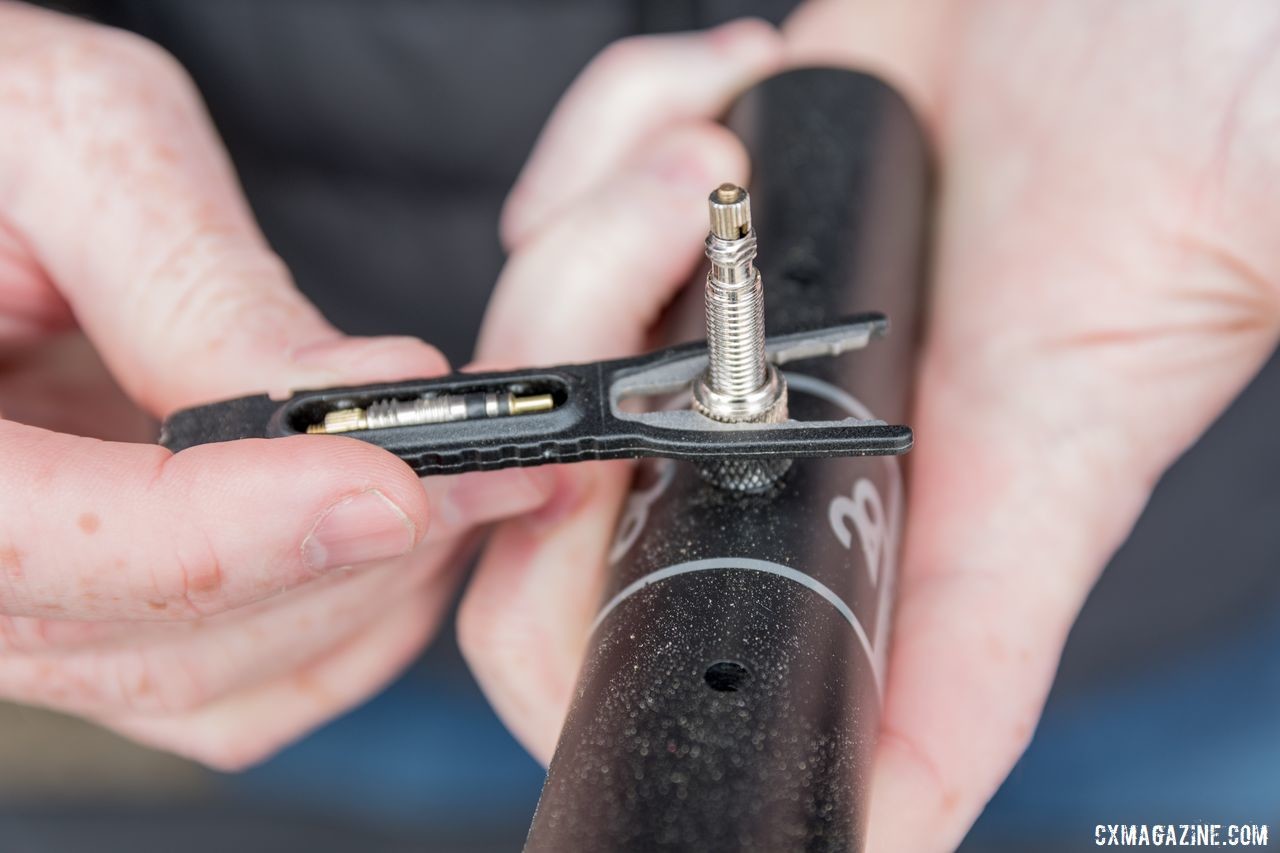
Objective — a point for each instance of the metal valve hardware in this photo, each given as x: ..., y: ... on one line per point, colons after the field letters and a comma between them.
x: 739, y: 385
x: 384, y: 414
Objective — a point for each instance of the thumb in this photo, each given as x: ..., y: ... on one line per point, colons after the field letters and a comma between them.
x: 101, y: 530
x: 113, y: 182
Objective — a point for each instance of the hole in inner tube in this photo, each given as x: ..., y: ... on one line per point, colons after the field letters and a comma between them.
x: 727, y: 676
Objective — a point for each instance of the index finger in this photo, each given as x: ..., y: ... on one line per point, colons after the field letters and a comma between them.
x: 633, y: 89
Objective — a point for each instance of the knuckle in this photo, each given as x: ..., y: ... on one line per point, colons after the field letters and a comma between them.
x: 623, y: 57
x: 720, y: 142
x: 11, y: 636
x: 498, y: 647
x: 151, y: 684
x: 715, y: 147
x: 928, y: 767
x: 111, y: 48
x: 197, y: 580
x: 96, y: 68
x: 227, y: 751
x: 32, y: 680
x: 211, y: 279
x: 22, y: 635
x: 514, y: 221
x: 744, y: 29
x: 428, y: 356
x: 107, y: 100
x: 623, y: 73
x: 137, y: 74
x: 394, y: 352
x: 474, y: 629
x: 189, y: 582
x: 148, y: 54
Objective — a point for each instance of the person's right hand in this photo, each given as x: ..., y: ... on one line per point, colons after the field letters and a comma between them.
x: 203, y: 602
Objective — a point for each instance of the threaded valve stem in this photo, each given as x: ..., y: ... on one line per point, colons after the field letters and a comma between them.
x: 739, y: 384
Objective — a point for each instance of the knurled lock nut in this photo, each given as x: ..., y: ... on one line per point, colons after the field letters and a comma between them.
x: 766, y: 405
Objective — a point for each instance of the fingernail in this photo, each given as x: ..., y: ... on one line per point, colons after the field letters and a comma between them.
x: 491, y: 495
x: 358, y: 529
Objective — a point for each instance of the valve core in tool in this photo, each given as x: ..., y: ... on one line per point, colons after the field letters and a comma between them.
x: 441, y: 409
x: 739, y: 386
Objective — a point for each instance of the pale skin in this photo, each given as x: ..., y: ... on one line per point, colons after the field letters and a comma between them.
x: 221, y: 602
x: 1105, y: 282
x: 1105, y: 278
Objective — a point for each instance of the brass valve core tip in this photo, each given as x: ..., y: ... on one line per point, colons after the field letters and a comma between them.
x: 730, y: 212
x: 729, y: 193
x: 531, y: 404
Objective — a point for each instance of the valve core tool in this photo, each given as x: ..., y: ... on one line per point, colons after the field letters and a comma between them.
x: 737, y: 428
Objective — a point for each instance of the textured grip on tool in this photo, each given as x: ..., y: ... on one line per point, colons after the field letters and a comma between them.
x: 585, y: 420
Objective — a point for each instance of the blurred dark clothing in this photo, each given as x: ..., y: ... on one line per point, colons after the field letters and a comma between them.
x: 377, y: 140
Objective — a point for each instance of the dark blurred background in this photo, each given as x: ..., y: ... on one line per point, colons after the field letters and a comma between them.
x: 376, y: 141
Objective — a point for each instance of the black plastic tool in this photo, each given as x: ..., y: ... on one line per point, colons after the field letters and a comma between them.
x: 589, y: 419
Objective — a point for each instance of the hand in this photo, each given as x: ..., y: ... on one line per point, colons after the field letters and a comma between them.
x: 606, y: 222
x: 611, y: 211
x: 221, y: 601
x: 1105, y: 283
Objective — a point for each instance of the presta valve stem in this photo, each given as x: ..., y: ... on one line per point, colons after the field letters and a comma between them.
x: 739, y: 385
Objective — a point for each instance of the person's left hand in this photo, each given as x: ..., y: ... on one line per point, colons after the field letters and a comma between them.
x: 605, y: 223
x: 1104, y: 278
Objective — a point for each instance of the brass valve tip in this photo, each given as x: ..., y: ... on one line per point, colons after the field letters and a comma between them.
x: 341, y: 420
x: 730, y: 212
x: 530, y: 405
x: 729, y: 193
